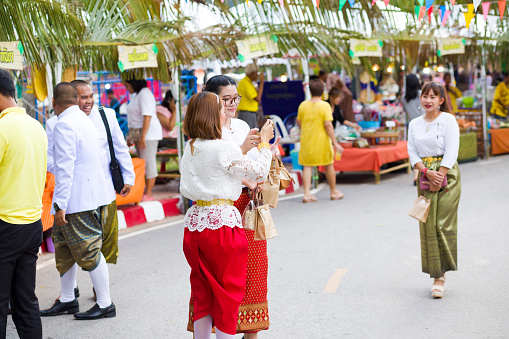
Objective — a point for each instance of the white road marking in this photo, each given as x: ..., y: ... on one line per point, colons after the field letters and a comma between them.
x: 125, y: 236
x: 333, y: 283
x: 313, y: 191
x: 150, y: 229
x: 45, y: 264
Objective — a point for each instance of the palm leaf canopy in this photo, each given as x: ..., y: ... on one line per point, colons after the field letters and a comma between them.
x: 87, y: 32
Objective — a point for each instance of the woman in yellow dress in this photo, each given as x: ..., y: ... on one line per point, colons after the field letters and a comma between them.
x: 453, y: 92
x: 317, y: 140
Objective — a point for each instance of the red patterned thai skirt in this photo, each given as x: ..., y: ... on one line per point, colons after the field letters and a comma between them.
x: 253, y: 313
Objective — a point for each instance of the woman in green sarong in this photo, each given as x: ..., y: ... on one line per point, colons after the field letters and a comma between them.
x: 433, y: 143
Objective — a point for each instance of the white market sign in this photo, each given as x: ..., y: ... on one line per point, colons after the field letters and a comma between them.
x: 140, y: 56
x: 11, y: 55
x: 365, y: 48
x: 257, y: 47
x: 451, y: 46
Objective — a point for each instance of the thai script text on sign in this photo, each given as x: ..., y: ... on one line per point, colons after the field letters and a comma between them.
x: 10, y: 55
x: 258, y: 47
x: 134, y: 57
x: 6, y: 56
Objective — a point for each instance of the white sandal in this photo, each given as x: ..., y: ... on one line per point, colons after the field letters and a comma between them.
x: 437, y: 291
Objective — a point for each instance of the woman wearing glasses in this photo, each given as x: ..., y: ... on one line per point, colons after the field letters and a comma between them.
x: 253, y: 310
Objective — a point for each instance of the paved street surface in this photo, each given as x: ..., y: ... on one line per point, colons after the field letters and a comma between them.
x: 347, y: 268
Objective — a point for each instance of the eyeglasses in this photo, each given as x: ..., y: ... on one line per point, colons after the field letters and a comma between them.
x: 232, y: 101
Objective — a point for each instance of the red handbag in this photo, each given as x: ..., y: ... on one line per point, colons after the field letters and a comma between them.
x: 425, y: 186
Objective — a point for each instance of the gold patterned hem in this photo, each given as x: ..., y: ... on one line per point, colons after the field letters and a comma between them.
x: 251, y: 318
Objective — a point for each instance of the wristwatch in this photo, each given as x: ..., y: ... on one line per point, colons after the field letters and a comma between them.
x: 55, y: 207
x: 423, y: 171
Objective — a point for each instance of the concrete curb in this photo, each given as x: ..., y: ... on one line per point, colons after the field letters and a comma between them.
x: 146, y: 211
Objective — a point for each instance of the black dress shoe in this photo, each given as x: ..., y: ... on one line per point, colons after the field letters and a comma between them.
x: 76, y: 292
x: 97, y: 313
x: 58, y: 308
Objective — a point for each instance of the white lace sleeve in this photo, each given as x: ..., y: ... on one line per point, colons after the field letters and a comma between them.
x: 232, y: 160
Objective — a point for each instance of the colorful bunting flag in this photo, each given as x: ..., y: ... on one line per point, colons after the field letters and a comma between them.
x: 453, y: 2
x: 492, y: 22
x: 417, y: 10
x: 442, y: 13
x: 456, y: 11
x: 445, y: 17
x: 485, y: 10
x: 386, y: 2
x: 317, y: 3
x: 260, y: 1
x: 352, y: 2
x: 373, y: 3
x: 501, y: 7
x: 470, y: 8
x: 430, y: 11
x: 282, y: 2
x: 468, y: 18
x: 429, y: 3
x: 422, y: 11
x: 476, y: 4
x: 421, y: 2
x: 341, y: 4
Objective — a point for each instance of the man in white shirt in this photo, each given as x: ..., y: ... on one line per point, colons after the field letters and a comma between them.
x: 86, y: 104
x: 109, y: 217
x: 80, y: 196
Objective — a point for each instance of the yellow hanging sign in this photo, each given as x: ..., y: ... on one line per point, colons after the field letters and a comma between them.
x: 364, y: 48
x: 10, y: 55
x: 140, y: 56
x: 257, y: 47
x: 451, y: 46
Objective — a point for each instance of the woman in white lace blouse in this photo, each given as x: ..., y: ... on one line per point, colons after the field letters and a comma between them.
x: 215, y: 244
x: 433, y: 144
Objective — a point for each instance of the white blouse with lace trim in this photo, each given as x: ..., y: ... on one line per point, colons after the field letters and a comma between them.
x: 215, y: 171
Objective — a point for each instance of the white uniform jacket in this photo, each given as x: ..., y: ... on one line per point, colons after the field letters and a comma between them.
x: 80, y: 184
x: 119, y: 145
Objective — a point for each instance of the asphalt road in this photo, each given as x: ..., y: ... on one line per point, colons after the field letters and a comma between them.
x: 338, y: 269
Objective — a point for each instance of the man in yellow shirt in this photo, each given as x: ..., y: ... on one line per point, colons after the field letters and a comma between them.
x: 453, y: 92
x: 251, y: 98
x: 500, y: 106
x: 23, y: 145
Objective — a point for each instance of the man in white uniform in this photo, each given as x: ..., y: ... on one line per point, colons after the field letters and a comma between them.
x: 80, y: 195
x: 110, y: 220
x: 109, y: 217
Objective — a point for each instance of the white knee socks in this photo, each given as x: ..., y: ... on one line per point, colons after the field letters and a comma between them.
x: 222, y: 335
x: 67, y: 282
x: 203, y: 327
x: 101, y: 281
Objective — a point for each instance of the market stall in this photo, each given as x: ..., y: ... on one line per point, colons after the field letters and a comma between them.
x: 372, y: 159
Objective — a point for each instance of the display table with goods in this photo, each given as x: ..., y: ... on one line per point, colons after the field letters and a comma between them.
x: 499, y: 140
x: 471, y: 120
x: 169, y: 167
x: 372, y: 158
x: 468, y: 147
